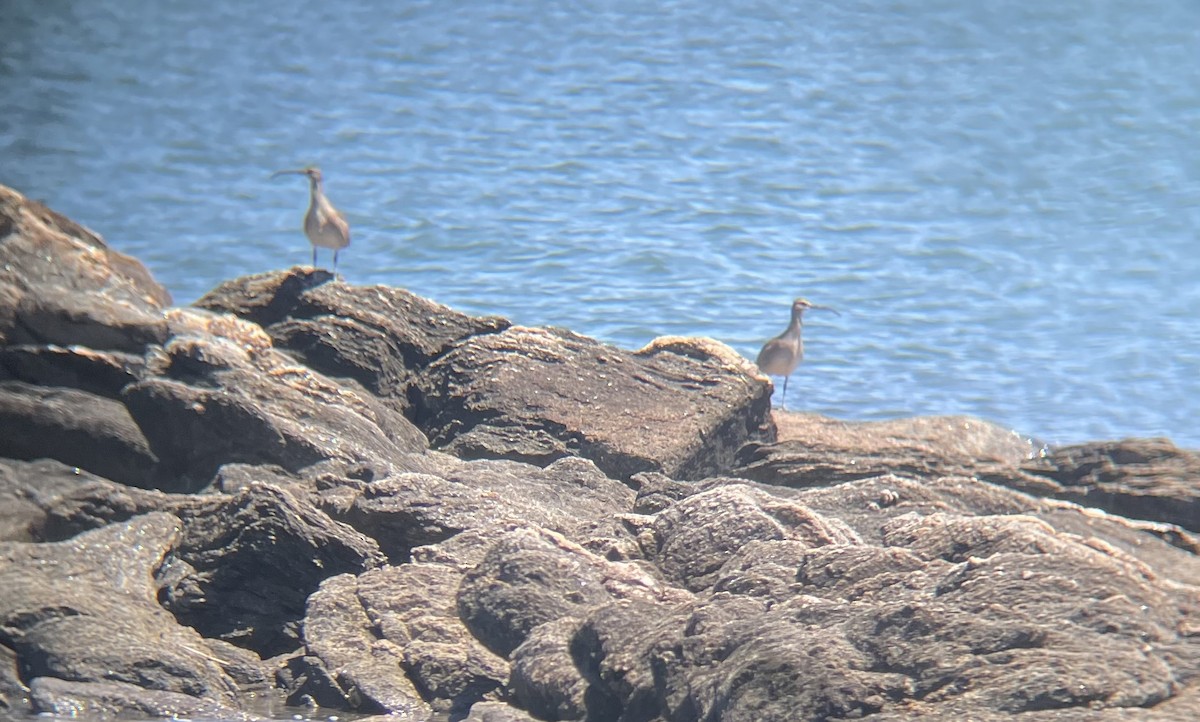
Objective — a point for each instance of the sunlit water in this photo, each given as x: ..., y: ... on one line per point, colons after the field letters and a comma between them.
x: 1001, y: 198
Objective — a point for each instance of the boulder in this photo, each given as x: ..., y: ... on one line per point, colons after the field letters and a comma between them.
x: 420, y: 642
x: 814, y: 450
x: 408, y: 510
x: 378, y: 336
x: 76, y: 428
x: 60, y: 284
x: 247, y: 563
x: 682, y: 407
x: 532, y: 576
x: 86, y: 611
x: 926, y: 610
x: 218, y: 393
x: 348, y: 664
x: 1141, y: 478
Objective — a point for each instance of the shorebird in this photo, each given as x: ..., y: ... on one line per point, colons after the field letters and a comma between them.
x: 323, y: 224
x: 781, y: 355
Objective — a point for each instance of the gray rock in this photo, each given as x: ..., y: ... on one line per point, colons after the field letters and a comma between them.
x: 365, y: 670
x: 74, y: 427
x: 990, y: 613
x: 694, y: 538
x: 61, y: 284
x: 220, y: 393
x: 679, y: 406
x: 413, y: 607
x: 14, y: 695
x: 497, y: 712
x: 103, y: 373
x: 814, y: 450
x: 28, y: 492
x: 544, y: 674
x: 86, y: 610
x: 247, y: 563
x: 532, y: 576
x: 377, y: 335
x: 107, y: 700
x: 1140, y: 478
x: 570, y: 496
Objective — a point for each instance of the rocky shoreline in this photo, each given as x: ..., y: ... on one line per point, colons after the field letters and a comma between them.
x: 358, y: 499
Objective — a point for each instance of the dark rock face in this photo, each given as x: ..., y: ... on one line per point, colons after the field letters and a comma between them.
x: 75, y: 427
x: 205, y: 508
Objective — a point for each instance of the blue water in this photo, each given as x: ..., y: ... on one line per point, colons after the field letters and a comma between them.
x: 1001, y: 198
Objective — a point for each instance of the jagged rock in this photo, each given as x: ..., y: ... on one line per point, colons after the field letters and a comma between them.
x: 570, y: 496
x: 1140, y: 478
x: 992, y: 614
x: 86, y: 611
x: 694, y: 538
x: 247, y: 563
x: 377, y: 335
x: 532, y: 576
x: 220, y: 393
x: 413, y: 607
x: 76, y: 428
x: 814, y: 450
x: 678, y: 406
x: 349, y: 657
x: 544, y: 675
x: 61, y: 284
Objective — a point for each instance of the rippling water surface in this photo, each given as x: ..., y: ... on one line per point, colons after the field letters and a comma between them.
x: 1002, y: 199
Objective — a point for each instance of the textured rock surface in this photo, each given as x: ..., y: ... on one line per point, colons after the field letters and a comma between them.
x: 60, y: 284
x: 377, y: 335
x: 219, y: 375
x: 85, y: 610
x: 816, y: 450
x: 679, y: 406
x: 1144, y: 478
x: 206, y: 509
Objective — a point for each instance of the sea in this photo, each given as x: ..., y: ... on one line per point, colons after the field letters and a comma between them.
x: 1001, y: 199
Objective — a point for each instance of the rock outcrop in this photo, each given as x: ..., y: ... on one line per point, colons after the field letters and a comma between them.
x: 354, y: 498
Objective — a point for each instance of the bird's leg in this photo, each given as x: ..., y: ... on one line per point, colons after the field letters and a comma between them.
x: 335, y: 263
x: 314, y: 263
x: 783, y: 401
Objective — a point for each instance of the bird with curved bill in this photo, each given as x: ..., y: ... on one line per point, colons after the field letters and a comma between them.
x: 324, y: 225
x: 781, y: 355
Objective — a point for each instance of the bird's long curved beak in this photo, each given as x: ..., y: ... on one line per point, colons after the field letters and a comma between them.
x: 826, y: 308
x: 278, y: 173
